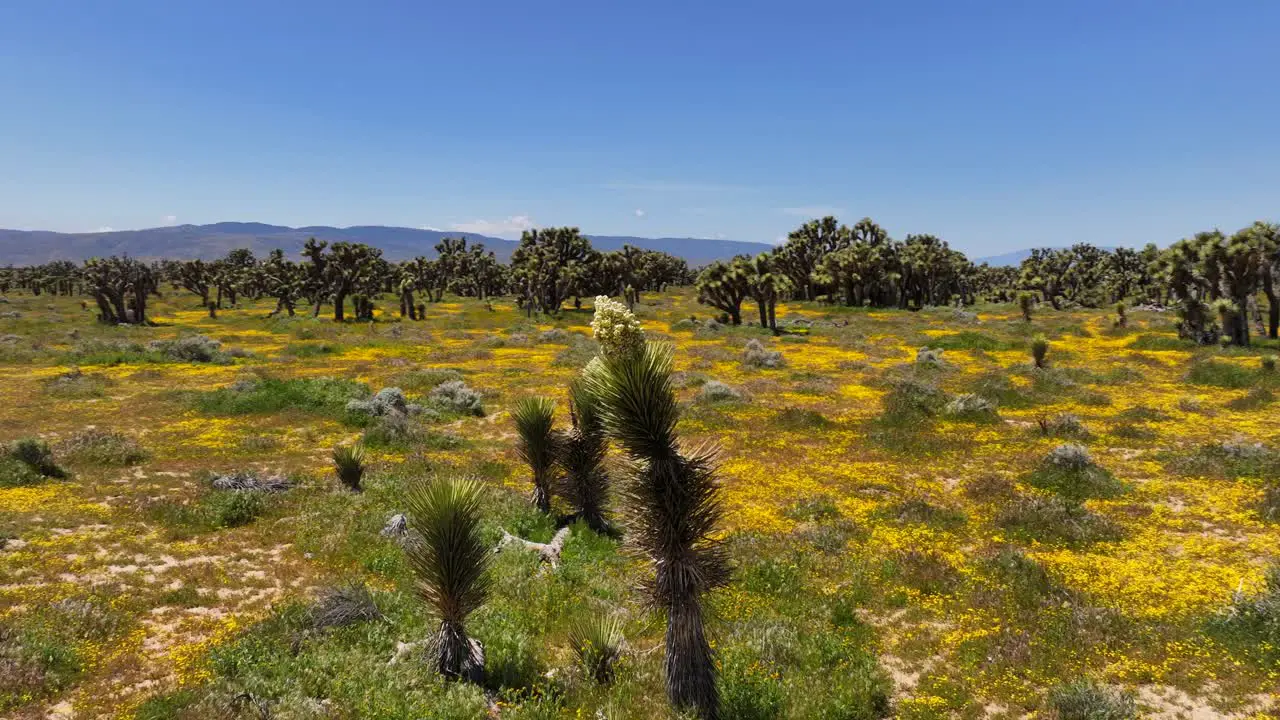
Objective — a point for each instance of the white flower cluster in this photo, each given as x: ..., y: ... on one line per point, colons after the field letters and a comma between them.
x: 616, y: 329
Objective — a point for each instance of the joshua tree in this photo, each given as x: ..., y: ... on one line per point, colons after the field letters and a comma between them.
x: 766, y: 285
x: 673, y: 497
x: 1122, y: 320
x: 1040, y: 349
x: 451, y: 562
x: 1025, y: 303
x: 724, y: 286
x: 584, y: 481
x: 539, y: 444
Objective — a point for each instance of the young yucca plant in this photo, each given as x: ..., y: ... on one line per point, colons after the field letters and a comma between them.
x: 584, y: 482
x: 673, y: 498
x: 1040, y: 351
x: 37, y: 456
x: 1269, y: 364
x: 1122, y: 319
x: 348, y: 462
x: 539, y: 444
x: 451, y: 563
x: 597, y: 641
x: 1025, y: 303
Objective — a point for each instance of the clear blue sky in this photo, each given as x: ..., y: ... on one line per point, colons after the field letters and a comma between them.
x: 995, y: 125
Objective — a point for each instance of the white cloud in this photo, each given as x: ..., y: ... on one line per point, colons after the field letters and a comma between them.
x: 428, y: 227
x: 509, y: 228
x: 813, y: 211
x: 105, y: 228
x: 170, y: 219
x: 639, y: 212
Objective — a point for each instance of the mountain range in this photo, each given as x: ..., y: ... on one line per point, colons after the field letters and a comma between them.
x: 207, y: 242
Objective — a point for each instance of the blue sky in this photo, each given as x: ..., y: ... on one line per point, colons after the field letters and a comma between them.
x: 995, y: 125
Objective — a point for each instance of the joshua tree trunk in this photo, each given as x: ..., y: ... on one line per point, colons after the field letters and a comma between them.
x: 339, y: 311
x: 453, y: 647
x: 1273, y: 302
x: 690, y: 669
x: 764, y: 314
x: 541, y: 495
x: 773, y: 317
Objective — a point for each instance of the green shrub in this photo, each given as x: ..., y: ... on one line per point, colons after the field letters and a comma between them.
x: 234, y: 509
x: 424, y: 380
x: 815, y: 508
x: 36, y: 455
x: 911, y: 401
x: 102, y: 447
x: 323, y: 396
x: 794, y: 418
x: 1087, y: 700
x: 596, y: 640
x: 1252, y: 400
x: 75, y: 384
x: 748, y: 690
x: 1026, y: 303
x: 1227, y: 459
x: 1252, y: 621
x: 1040, y: 351
x: 310, y: 349
x: 1071, y: 472
x: 1052, y: 518
x: 1151, y: 341
x: 1065, y: 425
x: 971, y: 407
x: 1217, y: 373
x: 15, y: 473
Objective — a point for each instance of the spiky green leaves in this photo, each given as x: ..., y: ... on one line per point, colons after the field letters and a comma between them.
x: 1040, y: 350
x: 597, y: 641
x: 538, y: 444
x: 348, y: 463
x: 584, y: 482
x: 450, y: 561
x: 449, y: 558
x: 673, y: 499
x: 637, y: 399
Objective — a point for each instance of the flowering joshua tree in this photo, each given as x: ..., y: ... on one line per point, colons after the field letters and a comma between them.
x: 673, y: 497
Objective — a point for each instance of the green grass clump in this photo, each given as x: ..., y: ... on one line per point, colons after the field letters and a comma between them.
x: 102, y: 447
x: 321, y: 396
x: 911, y: 401
x: 1153, y: 341
x: 1251, y: 623
x: 794, y: 418
x: 1228, y: 459
x: 970, y: 340
x: 1053, y: 519
x: 213, y: 511
x: 76, y: 385
x: 1217, y: 373
x: 311, y: 349
x: 28, y: 462
x: 1071, y: 472
x: 1256, y: 398
x: 1087, y: 700
x: 421, y: 381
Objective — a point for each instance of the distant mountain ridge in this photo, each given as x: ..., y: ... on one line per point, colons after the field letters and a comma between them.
x: 207, y: 242
x: 1014, y: 258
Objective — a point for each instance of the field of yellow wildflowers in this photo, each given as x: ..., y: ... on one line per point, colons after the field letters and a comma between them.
x: 905, y: 540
